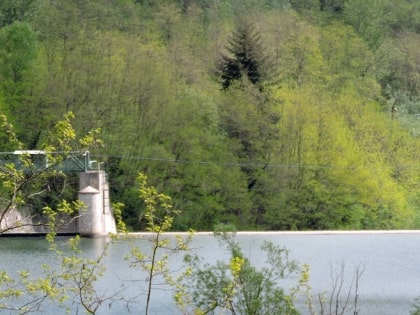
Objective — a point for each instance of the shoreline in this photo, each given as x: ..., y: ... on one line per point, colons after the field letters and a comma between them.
x: 323, y: 232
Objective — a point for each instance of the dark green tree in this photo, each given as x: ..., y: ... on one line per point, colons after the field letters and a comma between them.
x: 248, y: 118
x: 18, y: 53
x: 245, y: 57
x: 18, y: 47
x: 331, y: 5
x: 14, y: 10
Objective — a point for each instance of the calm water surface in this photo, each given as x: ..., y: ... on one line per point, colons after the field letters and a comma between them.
x: 389, y: 285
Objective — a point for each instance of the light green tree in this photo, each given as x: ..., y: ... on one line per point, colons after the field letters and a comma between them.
x: 159, y: 215
x: 237, y: 287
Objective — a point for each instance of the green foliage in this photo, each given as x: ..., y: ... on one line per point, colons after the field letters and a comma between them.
x: 18, y: 52
x: 305, y: 5
x: 415, y: 308
x: 72, y: 280
x: 18, y: 49
x: 14, y: 10
x: 117, y: 211
x: 237, y: 286
x: 24, y: 183
x: 335, y: 6
x: 159, y: 215
x: 245, y: 59
x: 77, y: 277
x: 69, y: 284
x: 371, y: 20
x: 309, y: 112
x: 10, y: 141
x: 397, y: 59
x: 224, y: 228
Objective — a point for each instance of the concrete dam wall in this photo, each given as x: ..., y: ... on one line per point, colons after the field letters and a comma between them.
x: 96, y: 219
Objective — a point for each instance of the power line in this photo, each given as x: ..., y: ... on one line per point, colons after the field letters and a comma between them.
x: 244, y: 164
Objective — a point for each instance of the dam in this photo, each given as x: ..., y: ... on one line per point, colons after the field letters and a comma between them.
x: 95, y: 219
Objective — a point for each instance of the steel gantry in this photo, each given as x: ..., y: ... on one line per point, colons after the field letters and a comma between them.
x: 32, y: 161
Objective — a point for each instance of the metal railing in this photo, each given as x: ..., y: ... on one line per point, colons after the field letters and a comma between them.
x: 33, y: 161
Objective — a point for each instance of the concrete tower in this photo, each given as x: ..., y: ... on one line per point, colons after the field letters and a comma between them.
x: 97, y: 218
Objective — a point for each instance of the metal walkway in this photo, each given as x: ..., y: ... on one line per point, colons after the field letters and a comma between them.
x: 34, y: 161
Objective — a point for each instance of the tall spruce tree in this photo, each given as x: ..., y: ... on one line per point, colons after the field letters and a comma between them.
x: 245, y: 57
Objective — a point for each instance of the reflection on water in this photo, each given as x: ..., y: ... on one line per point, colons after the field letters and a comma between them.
x: 389, y: 283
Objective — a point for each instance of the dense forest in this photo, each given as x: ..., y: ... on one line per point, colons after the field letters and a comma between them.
x: 263, y: 114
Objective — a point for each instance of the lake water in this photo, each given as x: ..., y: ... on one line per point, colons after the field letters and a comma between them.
x: 389, y: 284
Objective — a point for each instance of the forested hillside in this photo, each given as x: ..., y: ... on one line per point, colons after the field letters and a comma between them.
x: 264, y: 114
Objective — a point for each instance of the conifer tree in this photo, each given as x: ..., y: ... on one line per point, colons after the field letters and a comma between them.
x: 245, y: 57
